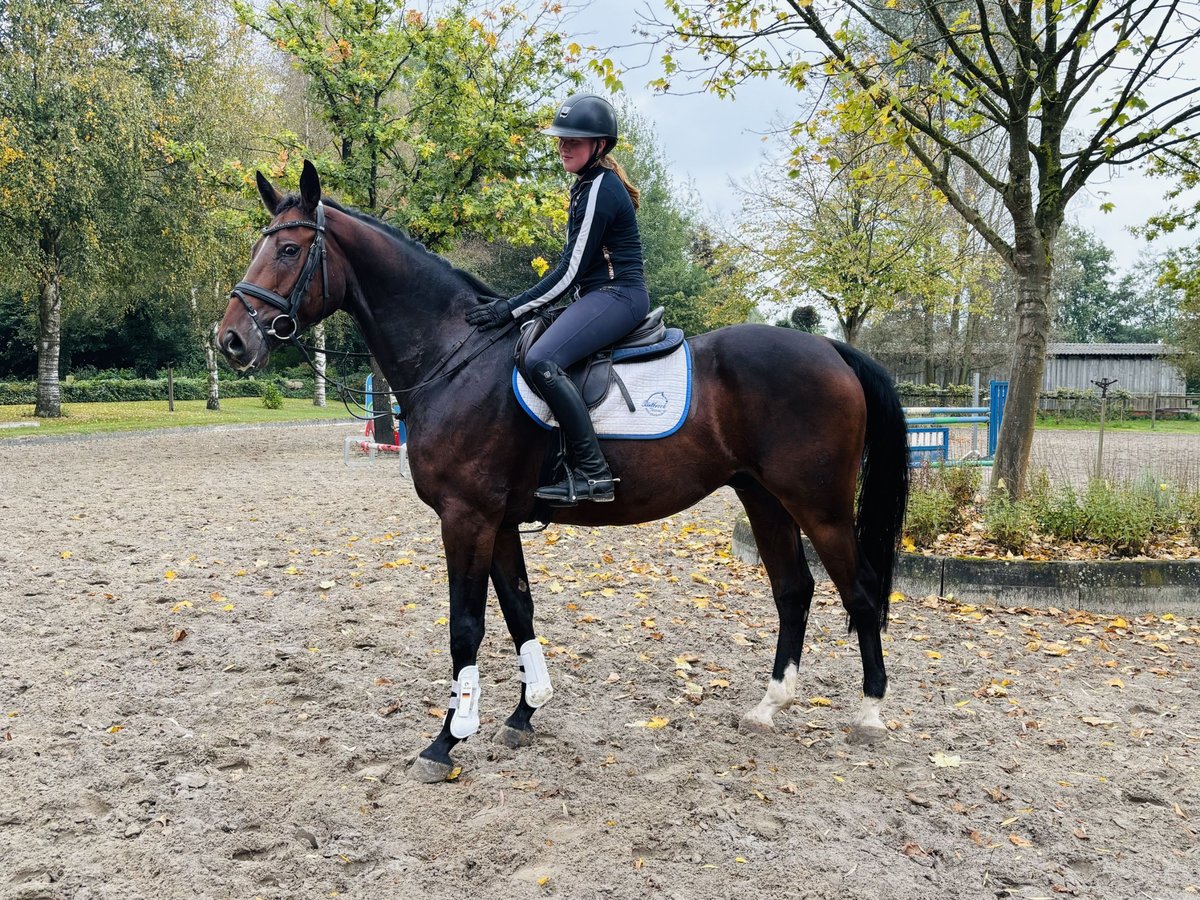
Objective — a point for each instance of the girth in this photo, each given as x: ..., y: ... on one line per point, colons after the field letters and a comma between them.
x: 594, y: 375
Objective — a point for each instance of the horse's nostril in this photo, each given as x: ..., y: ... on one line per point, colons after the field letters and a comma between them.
x: 232, y: 344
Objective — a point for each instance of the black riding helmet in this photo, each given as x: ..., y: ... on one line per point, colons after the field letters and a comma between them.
x: 586, y: 116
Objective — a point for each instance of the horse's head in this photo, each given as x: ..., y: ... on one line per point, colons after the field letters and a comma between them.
x: 289, y: 285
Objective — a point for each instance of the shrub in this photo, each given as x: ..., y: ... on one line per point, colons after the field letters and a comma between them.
x: 1056, y: 510
x: 107, y: 389
x: 272, y: 397
x: 931, y: 511
x: 1008, y: 522
x: 1189, y: 514
x: 1122, y: 518
x: 961, y: 482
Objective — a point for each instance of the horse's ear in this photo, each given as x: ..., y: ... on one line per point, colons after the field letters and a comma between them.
x: 310, y: 186
x: 271, y: 198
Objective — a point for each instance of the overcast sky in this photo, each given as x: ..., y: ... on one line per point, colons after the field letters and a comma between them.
x: 709, y: 141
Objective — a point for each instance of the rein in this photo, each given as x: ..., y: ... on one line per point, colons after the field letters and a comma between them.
x: 457, y: 367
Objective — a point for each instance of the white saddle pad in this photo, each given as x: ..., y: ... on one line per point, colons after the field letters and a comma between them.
x: 661, y: 390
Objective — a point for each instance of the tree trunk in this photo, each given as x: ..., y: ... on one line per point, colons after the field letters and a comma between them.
x: 210, y: 363
x: 319, y: 365
x: 954, y: 359
x: 1025, y: 378
x: 49, y: 396
x: 928, y: 366
x: 385, y: 426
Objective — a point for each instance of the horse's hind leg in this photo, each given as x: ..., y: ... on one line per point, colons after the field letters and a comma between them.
x: 778, y: 539
x: 858, y: 587
x: 511, y: 582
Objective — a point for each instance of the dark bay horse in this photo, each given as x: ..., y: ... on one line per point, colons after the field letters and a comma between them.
x: 798, y: 425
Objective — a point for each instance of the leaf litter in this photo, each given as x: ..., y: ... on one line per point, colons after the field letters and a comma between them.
x: 1076, y: 734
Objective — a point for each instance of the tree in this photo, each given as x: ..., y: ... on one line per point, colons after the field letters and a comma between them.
x: 1180, y: 275
x: 431, y: 116
x: 99, y: 99
x: 851, y: 223
x: 669, y: 228
x: 74, y: 127
x: 1072, y: 89
x: 802, y: 318
x: 1093, y: 306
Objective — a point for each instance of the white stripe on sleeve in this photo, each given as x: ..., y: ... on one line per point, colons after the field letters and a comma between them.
x: 577, y: 251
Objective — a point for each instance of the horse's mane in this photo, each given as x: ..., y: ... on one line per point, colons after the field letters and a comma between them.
x: 474, y: 281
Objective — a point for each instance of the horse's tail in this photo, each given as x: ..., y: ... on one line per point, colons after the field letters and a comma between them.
x: 883, y: 491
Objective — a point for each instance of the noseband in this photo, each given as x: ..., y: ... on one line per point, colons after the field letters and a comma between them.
x: 285, y: 326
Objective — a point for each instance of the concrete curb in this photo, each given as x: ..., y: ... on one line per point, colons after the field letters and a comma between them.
x: 1102, y: 586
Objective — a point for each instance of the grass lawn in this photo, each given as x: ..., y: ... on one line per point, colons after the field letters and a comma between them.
x: 1169, y: 426
x: 91, y: 418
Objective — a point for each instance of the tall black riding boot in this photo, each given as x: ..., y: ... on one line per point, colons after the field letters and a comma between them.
x: 588, y: 475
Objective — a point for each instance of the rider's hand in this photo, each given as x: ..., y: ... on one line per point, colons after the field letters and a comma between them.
x: 490, y: 315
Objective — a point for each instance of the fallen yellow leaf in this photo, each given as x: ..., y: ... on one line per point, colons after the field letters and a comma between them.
x: 652, y: 722
x: 819, y: 701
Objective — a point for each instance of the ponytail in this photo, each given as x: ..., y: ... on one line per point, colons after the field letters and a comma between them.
x: 615, y: 167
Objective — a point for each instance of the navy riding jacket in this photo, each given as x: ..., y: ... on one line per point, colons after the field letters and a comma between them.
x: 603, y: 246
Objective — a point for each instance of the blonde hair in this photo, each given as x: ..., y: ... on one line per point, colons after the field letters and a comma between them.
x: 634, y: 194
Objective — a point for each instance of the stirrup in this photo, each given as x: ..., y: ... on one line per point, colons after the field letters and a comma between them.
x: 565, y: 493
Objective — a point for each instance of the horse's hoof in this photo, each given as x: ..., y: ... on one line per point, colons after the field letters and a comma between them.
x: 513, y: 738
x: 429, y: 771
x: 866, y: 734
x: 748, y: 725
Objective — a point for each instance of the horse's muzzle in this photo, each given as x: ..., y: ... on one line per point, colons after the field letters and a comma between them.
x: 239, y: 355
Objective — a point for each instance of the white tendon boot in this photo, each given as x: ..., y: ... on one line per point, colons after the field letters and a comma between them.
x: 465, y: 703
x: 535, y: 674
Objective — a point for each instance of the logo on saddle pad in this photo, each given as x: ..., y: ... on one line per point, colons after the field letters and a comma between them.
x: 656, y: 404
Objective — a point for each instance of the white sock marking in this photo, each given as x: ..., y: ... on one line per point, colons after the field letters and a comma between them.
x: 870, y: 715
x: 779, y: 695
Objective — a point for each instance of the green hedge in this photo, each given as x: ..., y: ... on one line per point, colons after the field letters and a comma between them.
x: 912, y: 394
x: 123, y: 390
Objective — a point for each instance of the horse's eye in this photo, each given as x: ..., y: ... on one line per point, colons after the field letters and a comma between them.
x: 289, y: 249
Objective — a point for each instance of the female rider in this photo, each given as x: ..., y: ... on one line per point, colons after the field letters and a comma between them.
x: 602, y: 264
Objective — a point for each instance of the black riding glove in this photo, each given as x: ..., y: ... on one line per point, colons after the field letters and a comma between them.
x: 490, y: 315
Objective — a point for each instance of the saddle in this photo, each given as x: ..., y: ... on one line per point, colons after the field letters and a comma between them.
x: 594, y: 375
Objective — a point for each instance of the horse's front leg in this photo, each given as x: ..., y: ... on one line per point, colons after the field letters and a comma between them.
x: 512, y: 588
x: 469, y: 538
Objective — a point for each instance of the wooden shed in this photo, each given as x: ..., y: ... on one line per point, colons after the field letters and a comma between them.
x: 1138, y: 368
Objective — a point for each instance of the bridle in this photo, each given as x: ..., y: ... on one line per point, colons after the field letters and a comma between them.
x: 289, y: 306
x: 285, y: 326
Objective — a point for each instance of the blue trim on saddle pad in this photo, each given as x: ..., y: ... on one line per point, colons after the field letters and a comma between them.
x: 673, y: 338
x: 676, y: 423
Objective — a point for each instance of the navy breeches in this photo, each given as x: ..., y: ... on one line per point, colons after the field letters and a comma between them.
x: 594, y: 321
